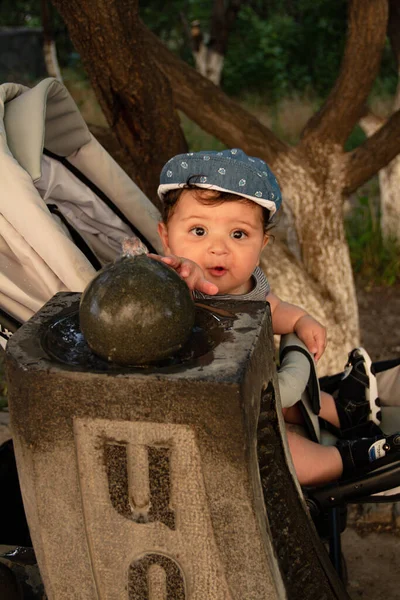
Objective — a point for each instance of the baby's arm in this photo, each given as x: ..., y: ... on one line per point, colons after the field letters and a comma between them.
x: 288, y: 318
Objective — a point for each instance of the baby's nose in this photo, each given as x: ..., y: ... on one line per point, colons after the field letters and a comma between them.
x: 218, y: 246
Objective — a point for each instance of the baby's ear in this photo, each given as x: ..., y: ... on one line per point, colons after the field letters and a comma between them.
x: 265, y: 240
x: 264, y: 243
x: 163, y: 233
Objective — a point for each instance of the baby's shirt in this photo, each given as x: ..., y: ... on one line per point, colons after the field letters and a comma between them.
x: 259, y: 292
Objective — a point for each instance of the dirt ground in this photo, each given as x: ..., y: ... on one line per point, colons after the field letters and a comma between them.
x: 373, y: 564
x: 379, y: 310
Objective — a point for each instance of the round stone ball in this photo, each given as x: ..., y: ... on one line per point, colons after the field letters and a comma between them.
x: 136, y: 311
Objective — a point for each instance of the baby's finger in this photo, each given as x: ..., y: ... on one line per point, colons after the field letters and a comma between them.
x: 309, y: 339
x: 172, y: 260
x: 318, y: 355
x: 206, y: 287
x: 155, y: 256
x: 321, y: 345
x: 185, y: 271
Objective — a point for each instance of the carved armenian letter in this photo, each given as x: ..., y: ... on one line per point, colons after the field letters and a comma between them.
x: 156, y: 506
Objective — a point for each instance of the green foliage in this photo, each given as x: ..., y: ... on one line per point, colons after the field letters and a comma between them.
x: 276, y: 48
x: 27, y: 13
x: 20, y: 13
x: 356, y: 138
x: 171, y: 25
x: 375, y: 259
x: 286, y: 53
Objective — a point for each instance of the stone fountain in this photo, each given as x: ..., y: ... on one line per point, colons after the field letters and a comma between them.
x: 169, y: 481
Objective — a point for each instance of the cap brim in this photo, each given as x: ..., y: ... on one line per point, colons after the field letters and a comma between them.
x: 166, y: 187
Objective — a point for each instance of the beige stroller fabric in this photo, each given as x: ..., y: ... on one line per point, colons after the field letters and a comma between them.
x: 37, y: 256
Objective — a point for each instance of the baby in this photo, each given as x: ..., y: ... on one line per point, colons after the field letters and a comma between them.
x: 217, y: 209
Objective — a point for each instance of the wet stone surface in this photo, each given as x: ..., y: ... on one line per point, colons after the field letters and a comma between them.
x: 64, y: 342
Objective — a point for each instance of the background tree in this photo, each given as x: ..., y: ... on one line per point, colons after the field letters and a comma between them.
x: 49, y: 45
x: 209, y: 55
x: 389, y: 176
x: 139, y: 83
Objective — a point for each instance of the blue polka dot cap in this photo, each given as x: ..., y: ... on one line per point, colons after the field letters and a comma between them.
x: 226, y: 171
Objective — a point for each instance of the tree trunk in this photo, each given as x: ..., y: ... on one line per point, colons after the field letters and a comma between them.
x: 389, y: 183
x: 389, y: 176
x: 208, y: 62
x: 209, y: 58
x: 134, y: 95
x: 322, y: 281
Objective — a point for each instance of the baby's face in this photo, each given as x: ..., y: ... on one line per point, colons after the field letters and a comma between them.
x: 225, y: 239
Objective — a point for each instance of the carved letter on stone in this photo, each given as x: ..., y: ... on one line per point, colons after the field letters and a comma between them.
x: 159, y: 482
x: 146, y: 582
x: 146, y: 513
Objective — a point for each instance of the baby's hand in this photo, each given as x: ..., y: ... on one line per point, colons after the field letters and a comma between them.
x: 313, y: 334
x: 190, y: 272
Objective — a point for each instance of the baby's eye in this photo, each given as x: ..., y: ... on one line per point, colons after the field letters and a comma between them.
x: 198, y: 231
x: 238, y: 234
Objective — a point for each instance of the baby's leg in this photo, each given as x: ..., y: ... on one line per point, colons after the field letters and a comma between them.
x: 293, y: 415
x: 314, y: 464
x: 328, y: 411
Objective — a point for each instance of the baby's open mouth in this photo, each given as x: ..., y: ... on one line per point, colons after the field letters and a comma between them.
x: 217, y: 271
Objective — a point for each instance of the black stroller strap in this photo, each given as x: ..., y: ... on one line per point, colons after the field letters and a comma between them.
x: 9, y: 323
x: 312, y: 385
x: 384, y: 365
x: 100, y: 195
x: 77, y: 238
x: 308, y: 423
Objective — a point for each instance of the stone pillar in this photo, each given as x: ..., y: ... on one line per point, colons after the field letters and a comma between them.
x: 144, y: 484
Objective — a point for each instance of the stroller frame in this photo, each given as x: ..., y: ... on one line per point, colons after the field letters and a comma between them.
x: 327, y: 503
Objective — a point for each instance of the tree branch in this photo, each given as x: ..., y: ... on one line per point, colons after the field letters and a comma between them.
x: 370, y: 123
x: 366, y: 35
x: 376, y: 152
x: 206, y: 104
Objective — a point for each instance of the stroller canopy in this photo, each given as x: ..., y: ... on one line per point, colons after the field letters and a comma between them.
x: 65, y: 204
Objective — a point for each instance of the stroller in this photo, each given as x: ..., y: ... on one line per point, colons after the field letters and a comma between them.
x: 68, y: 189
x: 64, y: 187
